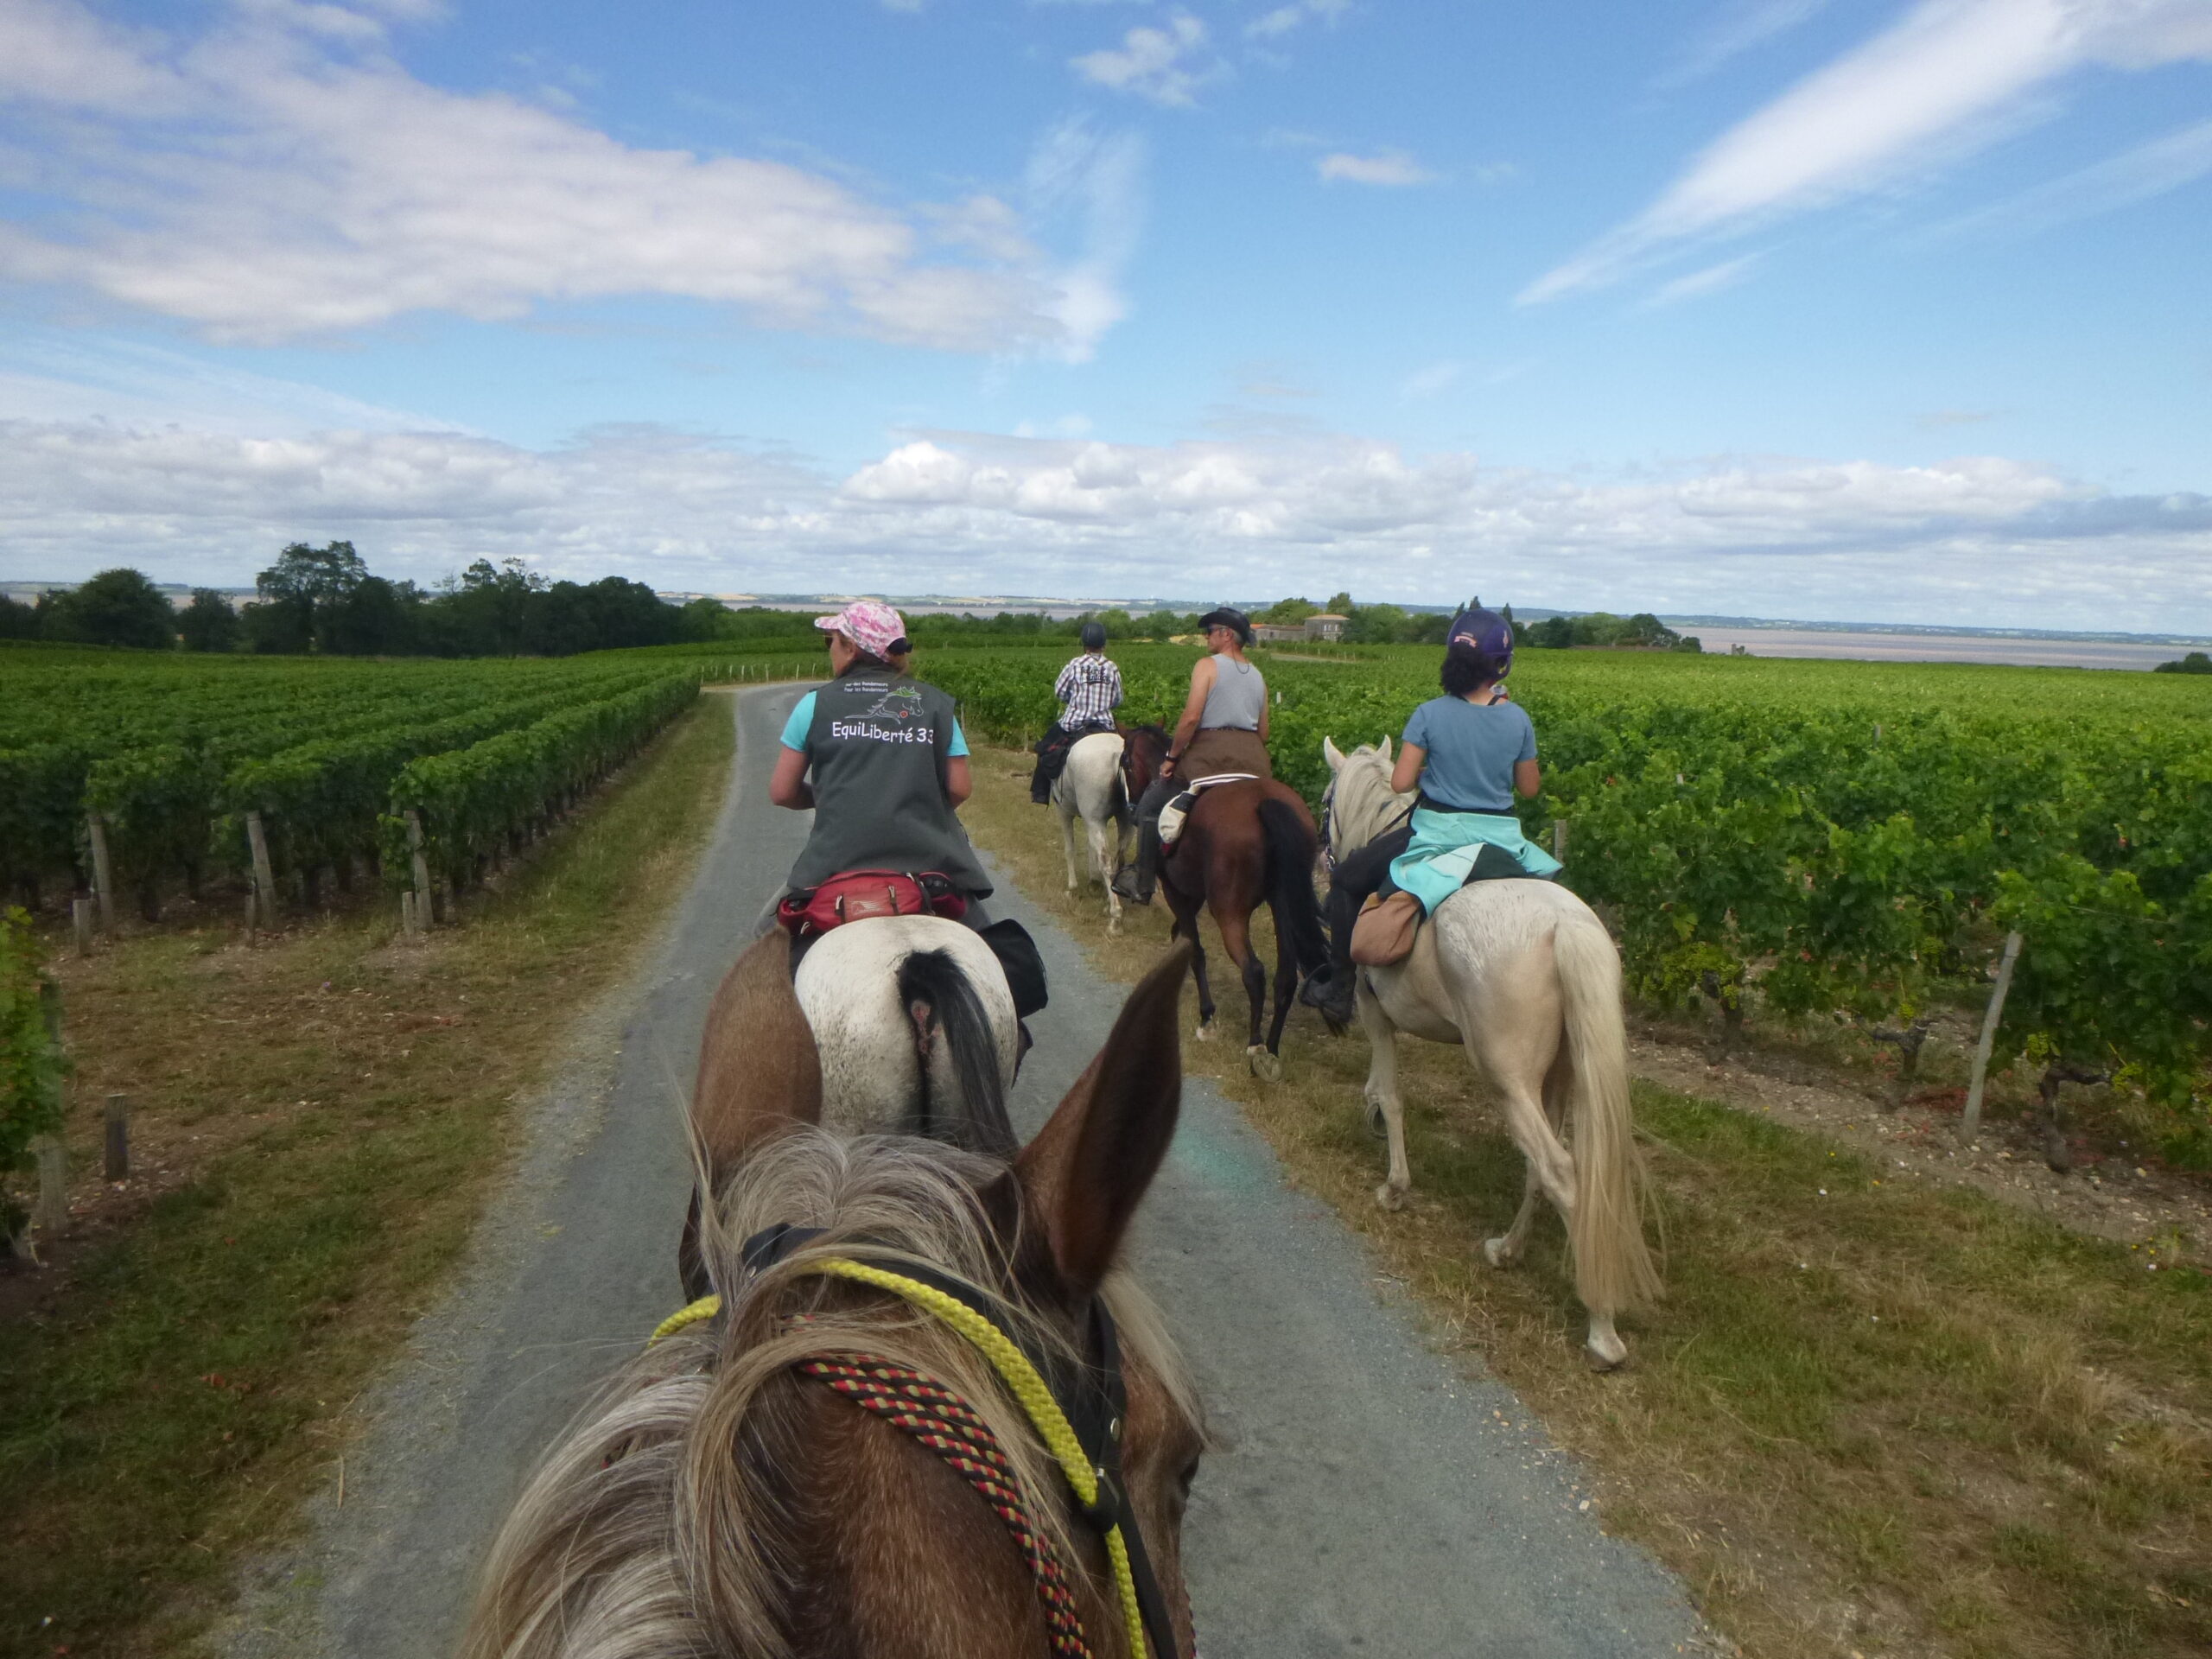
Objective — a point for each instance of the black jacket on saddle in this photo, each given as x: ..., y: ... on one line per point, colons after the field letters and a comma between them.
x: 877, y: 752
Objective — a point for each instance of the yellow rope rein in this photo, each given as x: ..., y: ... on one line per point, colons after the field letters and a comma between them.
x: 1029, y: 1389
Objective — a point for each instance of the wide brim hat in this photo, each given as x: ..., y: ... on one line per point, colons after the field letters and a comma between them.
x: 1228, y: 616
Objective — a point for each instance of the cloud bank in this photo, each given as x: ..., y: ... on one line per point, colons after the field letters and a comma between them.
x: 281, y: 176
x: 1976, y: 539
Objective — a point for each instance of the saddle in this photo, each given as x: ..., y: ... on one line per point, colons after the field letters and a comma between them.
x: 857, y: 895
x: 1172, y: 814
x: 1389, y: 922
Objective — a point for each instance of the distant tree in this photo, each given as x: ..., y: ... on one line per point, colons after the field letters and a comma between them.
x: 1376, y: 625
x: 1553, y: 634
x: 210, y: 622
x: 1339, y: 605
x: 1426, y: 628
x: 2195, y: 663
x: 485, y: 610
x: 700, y: 621
x: 298, y: 595
x: 1690, y: 643
x: 1645, y: 629
x: 1288, y: 613
x: 371, y: 618
x: 116, y: 607
x: 18, y: 621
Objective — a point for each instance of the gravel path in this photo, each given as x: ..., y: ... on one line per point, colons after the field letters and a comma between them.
x: 1365, y: 1495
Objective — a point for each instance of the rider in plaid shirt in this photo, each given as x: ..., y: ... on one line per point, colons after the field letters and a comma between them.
x: 1089, y: 690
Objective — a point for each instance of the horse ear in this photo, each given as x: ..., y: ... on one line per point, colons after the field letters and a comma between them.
x: 1333, y: 755
x: 1083, y: 1176
x: 1386, y: 748
x: 758, y: 1069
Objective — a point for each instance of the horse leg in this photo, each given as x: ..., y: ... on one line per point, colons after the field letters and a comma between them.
x: 1286, y: 984
x: 1504, y: 1251
x: 1187, y: 927
x: 1101, y: 853
x: 1383, y: 1103
x: 1067, y: 843
x: 1236, y: 940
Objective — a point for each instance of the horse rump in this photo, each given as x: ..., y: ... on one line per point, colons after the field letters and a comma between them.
x: 940, y: 1002
x: 1290, y: 852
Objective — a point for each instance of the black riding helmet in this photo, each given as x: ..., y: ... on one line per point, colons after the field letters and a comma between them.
x: 1228, y: 616
x: 1094, y: 635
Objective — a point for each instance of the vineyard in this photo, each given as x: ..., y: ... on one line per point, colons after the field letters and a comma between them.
x: 1815, y: 838
x: 128, y: 774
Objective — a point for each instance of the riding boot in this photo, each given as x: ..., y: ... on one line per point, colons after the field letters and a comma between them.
x: 1133, y: 882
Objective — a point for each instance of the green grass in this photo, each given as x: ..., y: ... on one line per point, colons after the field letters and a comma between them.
x: 169, y: 1406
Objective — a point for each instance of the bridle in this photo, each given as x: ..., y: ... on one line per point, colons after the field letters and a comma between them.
x: 1328, y: 859
x: 1078, y: 1409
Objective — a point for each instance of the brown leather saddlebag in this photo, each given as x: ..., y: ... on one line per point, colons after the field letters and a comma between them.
x: 1384, y: 932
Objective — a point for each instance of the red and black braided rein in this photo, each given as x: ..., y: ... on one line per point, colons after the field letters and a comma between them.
x: 943, y: 1421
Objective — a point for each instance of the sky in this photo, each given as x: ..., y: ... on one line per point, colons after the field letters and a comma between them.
x: 1851, y: 310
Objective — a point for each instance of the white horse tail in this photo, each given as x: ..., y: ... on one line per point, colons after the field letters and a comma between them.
x: 945, y: 1010
x: 1613, y: 1270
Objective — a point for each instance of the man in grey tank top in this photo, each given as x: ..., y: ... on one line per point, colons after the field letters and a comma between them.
x: 1223, y: 728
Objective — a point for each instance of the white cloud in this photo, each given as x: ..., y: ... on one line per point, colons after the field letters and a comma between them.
x: 281, y: 176
x: 1094, y: 182
x: 1697, y: 283
x: 1426, y: 383
x: 1743, y: 25
x: 1158, y: 64
x: 1975, y: 539
x: 1935, y: 85
x: 1274, y: 25
x: 1387, y: 166
x: 2151, y: 169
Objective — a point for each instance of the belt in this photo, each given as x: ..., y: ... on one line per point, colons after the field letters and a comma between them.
x: 1425, y: 803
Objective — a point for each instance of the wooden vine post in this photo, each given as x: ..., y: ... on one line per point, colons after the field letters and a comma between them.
x: 52, y: 1213
x: 423, y: 914
x: 103, y: 872
x: 117, y: 1164
x: 1970, y: 1124
x: 80, y: 917
x: 264, y: 877
x: 1559, y: 839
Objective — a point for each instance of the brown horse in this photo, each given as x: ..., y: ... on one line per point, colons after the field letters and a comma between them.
x: 723, y: 1498
x: 1243, y: 843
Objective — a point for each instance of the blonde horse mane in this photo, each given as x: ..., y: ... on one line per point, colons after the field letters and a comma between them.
x: 1363, y: 802
x: 653, y: 1529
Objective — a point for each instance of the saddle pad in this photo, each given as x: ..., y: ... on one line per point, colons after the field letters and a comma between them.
x: 1172, y: 814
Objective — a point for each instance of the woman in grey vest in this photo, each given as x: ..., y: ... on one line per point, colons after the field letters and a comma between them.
x: 1223, y: 728
x: 880, y: 757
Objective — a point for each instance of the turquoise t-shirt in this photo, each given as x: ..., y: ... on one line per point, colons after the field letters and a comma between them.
x: 1471, y: 750
x: 795, y: 729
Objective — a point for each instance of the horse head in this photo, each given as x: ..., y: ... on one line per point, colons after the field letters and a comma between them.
x: 1143, y: 748
x: 1359, y: 803
x: 739, y: 1489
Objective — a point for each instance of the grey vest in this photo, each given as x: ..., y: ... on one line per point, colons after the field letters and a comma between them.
x: 1237, y: 695
x: 876, y: 753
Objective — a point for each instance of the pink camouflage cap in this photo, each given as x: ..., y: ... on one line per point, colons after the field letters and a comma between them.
x: 875, y: 628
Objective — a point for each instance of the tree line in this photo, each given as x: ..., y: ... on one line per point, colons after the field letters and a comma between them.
x: 1385, y: 624
x: 325, y: 600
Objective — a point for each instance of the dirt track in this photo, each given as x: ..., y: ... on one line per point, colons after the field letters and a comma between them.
x: 1366, y: 1494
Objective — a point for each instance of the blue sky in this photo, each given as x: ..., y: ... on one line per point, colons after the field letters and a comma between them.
x: 1840, y: 310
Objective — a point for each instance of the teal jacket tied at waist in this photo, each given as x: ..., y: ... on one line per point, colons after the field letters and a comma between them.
x: 1444, y: 848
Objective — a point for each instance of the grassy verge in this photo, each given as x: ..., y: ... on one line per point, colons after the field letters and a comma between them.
x: 1871, y: 1418
x: 318, y: 1119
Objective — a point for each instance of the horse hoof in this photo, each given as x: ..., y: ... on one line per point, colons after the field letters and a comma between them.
x: 1390, y: 1198
x: 1601, y: 1362
x: 1496, y: 1253
x: 1267, y: 1067
x: 1204, y: 1033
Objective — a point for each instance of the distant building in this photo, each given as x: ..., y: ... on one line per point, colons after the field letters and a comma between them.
x: 1278, y: 633
x: 1326, y: 625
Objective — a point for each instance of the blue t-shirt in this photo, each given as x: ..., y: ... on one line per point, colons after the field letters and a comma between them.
x: 1471, y: 750
x: 795, y: 729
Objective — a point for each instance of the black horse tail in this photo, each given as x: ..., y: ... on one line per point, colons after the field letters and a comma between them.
x: 1291, y: 850
x: 943, y: 1007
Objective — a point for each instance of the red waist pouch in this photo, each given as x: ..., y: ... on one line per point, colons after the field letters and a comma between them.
x: 858, y: 895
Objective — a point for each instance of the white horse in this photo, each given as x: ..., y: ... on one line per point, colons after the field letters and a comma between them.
x: 916, y: 1031
x: 1090, y: 788
x: 1525, y: 976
